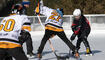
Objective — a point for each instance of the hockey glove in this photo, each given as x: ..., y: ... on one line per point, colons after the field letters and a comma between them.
x: 37, y: 11
x: 24, y: 35
x: 73, y: 37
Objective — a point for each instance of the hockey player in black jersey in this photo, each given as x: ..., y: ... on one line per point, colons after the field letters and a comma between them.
x: 81, y: 28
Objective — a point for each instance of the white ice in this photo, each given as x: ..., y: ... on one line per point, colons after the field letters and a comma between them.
x: 96, y: 40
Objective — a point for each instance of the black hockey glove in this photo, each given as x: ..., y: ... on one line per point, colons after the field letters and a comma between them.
x: 24, y: 35
x: 73, y: 37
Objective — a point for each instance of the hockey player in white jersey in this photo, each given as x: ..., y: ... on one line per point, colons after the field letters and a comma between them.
x: 10, y: 29
x: 53, y: 26
x: 25, y: 36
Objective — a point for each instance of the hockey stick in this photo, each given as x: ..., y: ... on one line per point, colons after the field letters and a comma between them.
x: 58, y: 57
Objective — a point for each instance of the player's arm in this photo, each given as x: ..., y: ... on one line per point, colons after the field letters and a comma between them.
x: 87, y: 23
x: 75, y: 28
x: 44, y: 10
x: 24, y: 36
x: 26, y: 27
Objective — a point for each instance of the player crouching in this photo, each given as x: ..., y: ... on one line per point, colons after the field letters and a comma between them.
x: 81, y: 28
x: 10, y: 29
x: 25, y: 36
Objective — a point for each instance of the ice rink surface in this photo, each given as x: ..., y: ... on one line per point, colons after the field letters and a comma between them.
x: 96, y: 40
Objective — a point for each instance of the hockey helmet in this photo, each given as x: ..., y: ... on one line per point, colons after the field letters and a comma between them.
x: 17, y: 9
x: 77, y: 12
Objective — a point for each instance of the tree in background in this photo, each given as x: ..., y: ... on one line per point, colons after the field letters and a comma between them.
x: 88, y: 6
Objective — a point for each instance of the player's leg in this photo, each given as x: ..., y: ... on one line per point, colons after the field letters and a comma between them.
x: 2, y: 53
x: 65, y: 39
x: 47, y: 35
x: 8, y: 57
x: 69, y: 44
x: 80, y: 39
x: 29, y: 46
x: 78, y: 44
x: 17, y: 53
x: 86, y: 43
x: 26, y: 37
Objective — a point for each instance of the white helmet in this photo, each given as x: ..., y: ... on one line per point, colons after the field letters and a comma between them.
x: 77, y: 12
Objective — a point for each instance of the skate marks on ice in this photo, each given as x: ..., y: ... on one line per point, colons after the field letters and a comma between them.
x: 59, y: 56
x: 43, y: 54
x: 68, y: 54
x: 96, y: 39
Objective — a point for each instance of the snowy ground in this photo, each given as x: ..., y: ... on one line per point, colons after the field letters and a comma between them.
x: 96, y: 39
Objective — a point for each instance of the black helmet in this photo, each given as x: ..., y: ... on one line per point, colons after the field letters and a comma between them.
x: 17, y: 9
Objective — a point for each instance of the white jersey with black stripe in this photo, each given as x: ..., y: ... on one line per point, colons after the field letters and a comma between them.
x: 11, y: 26
x: 53, y: 17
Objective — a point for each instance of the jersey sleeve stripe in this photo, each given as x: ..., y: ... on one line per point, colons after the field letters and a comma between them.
x: 27, y: 23
x: 26, y: 28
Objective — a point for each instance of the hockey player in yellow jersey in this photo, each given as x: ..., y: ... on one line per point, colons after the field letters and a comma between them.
x: 10, y: 29
x: 53, y: 26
